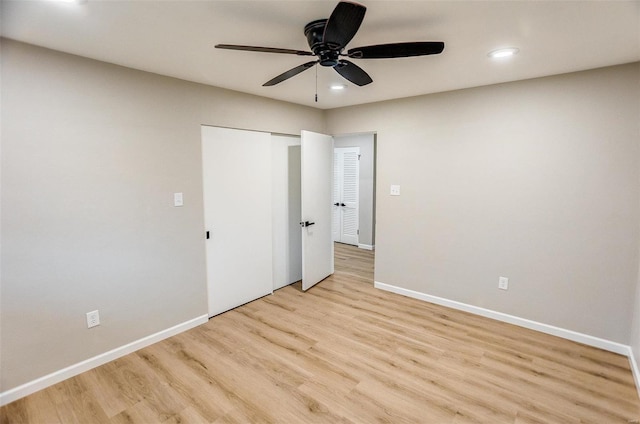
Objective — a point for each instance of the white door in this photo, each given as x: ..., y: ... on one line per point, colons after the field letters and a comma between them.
x: 317, y: 245
x: 236, y: 177
x: 346, y: 172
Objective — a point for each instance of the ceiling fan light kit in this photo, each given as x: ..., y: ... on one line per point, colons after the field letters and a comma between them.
x: 327, y: 39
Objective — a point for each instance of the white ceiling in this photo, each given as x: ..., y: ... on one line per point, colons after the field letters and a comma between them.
x: 177, y: 38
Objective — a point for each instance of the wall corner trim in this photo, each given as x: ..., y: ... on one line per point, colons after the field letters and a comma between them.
x: 634, y: 369
x: 75, y: 369
x: 511, y: 319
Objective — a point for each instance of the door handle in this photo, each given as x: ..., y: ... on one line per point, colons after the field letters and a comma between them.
x: 336, y: 204
x: 342, y: 204
x: 306, y: 224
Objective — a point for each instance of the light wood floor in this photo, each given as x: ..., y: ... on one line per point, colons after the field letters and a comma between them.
x: 352, y: 260
x: 344, y: 352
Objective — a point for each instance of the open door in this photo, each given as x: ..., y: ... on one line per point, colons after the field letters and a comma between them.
x: 317, y: 244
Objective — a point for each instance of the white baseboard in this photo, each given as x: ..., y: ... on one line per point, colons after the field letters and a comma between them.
x: 75, y: 369
x: 511, y: 319
x: 365, y: 246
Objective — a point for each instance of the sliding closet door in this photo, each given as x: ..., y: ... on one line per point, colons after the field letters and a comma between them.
x: 236, y: 177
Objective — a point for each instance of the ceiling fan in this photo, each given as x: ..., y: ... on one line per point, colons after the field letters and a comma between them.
x: 327, y: 39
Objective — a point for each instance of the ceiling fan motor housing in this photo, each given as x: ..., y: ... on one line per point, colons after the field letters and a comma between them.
x: 314, y: 31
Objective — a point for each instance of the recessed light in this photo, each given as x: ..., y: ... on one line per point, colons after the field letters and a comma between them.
x: 70, y: 1
x: 337, y: 87
x: 501, y: 53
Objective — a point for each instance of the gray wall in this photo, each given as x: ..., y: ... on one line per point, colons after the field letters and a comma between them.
x: 91, y: 156
x: 366, y: 215
x: 537, y: 181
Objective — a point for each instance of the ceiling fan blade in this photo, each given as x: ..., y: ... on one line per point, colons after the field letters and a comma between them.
x: 387, y: 51
x: 353, y: 73
x: 343, y: 24
x: 263, y: 49
x: 290, y: 73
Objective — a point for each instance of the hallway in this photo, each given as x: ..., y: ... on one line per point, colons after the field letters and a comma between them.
x: 353, y: 260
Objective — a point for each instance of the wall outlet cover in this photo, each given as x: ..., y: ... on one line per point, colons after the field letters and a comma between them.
x: 93, y: 319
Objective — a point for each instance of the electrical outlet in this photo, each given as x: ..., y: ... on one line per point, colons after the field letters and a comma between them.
x: 93, y: 318
x: 503, y: 283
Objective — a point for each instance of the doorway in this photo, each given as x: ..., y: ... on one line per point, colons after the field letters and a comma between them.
x: 354, y: 261
x: 286, y: 204
x: 364, y: 146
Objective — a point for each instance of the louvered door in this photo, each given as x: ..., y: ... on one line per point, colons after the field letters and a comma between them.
x: 345, y: 194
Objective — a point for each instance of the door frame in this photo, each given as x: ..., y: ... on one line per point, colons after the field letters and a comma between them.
x: 368, y: 190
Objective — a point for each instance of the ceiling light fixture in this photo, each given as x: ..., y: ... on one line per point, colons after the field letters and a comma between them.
x: 502, y: 53
x: 338, y: 87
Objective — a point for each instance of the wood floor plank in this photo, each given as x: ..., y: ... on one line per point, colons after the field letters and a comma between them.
x: 344, y: 352
x: 196, y: 391
x: 110, y: 389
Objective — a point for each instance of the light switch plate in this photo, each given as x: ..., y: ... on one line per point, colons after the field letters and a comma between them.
x: 395, y: 190
x: 177, y: 199
x: 503, y: 283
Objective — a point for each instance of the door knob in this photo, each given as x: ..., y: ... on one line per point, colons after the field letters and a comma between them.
x: 342, y: 204
x: 336, y: 204
x: 306, y: 224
